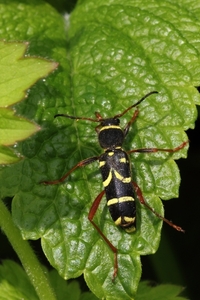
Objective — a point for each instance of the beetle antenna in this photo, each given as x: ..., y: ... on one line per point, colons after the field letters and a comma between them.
x: 99, y: 117
x: 125, y: 111
x: 76, y: 118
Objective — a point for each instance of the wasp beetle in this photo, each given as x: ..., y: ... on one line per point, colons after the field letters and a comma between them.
x: 114, y: 163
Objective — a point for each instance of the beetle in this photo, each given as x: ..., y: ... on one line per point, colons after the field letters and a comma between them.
x: 119, y: 188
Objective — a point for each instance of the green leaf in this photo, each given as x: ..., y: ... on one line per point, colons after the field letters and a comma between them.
x: 163, y: 291
x: 14, y: 283
x: 17, y: 75
x: 112, y: 55
x: 13, y: 128
x: 63, y: 289
x: 26, y: 255
x: 7, y: 156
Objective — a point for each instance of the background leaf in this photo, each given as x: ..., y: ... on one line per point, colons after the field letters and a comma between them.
x: 14, y: 283
x: 7, y: 156
x: 17, y: 74
x: 13, y: 128
x: 115, y: 54
x: 163, y: 291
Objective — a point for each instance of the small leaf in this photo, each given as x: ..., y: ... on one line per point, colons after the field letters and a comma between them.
x: 14, y: 283
x: 7, y: 156
x: 18, y: 73
x: 13, y: 128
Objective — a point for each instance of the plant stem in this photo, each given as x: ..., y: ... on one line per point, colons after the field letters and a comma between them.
x: 26, y: 255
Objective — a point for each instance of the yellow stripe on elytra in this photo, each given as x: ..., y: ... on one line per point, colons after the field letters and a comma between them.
x: 102, y: 163
x: 121, y: 178
x: 108, y: 179
x: 128, y: 220
x: 110, y: 153
x: 121, y: 199
x: 123, y: 160
x: 118, y: 221
x: 118, y: 176
x: 131, y: 229
x: 112, y: 201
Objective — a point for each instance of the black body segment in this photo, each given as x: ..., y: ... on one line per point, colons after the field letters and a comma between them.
x: 110, y: 135
x: 116, y: 175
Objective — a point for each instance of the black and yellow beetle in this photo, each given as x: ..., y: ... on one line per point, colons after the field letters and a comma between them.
x: 115, y: 169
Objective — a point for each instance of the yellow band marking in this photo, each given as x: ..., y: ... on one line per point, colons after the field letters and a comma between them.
x: 128, y: 220
x: 123, y: 160
x: 126, y: 198
x: 121, y: 199
x: 117, y: 175
x: 118, y: 221
x: 121, y: 178
x: 111, y: 153
x: 130, y: 230
x: 108, y: 179
x: 112, y: 201
x: 110, y: 127
x: 102, y: 163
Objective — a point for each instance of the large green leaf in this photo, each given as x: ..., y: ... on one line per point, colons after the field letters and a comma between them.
x: 112, y: 54
x: 10, y: 288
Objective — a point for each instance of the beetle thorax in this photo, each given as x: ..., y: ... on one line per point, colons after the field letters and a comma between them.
x: 111, y: 134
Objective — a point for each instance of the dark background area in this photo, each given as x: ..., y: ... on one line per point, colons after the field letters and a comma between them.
x: 178, y: 250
